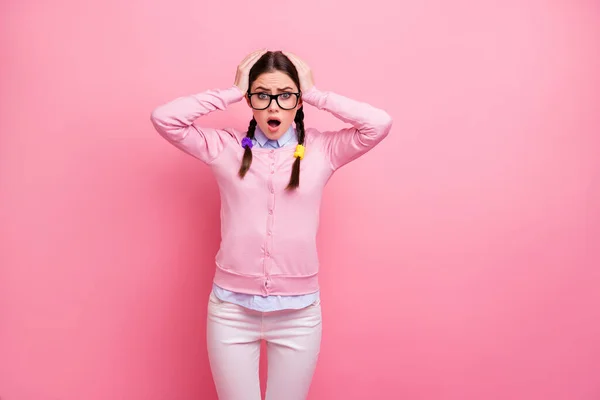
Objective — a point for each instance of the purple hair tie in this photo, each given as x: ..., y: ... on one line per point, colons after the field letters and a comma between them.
x: 247, y: 142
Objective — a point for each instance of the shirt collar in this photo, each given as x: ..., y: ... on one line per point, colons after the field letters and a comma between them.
x: 262, y: 139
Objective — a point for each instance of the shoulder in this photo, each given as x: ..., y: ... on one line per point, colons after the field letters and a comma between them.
x: 318, y: 138
x: 312, y: 136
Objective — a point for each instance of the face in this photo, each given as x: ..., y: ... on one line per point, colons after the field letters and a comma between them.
x: 274, y: 121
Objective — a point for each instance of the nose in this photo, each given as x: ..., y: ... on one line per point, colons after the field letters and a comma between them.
x: 273, y: 106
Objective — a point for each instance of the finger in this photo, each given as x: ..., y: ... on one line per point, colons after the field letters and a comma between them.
x: 294, y: 57
x: 252, y: 61
x: 253, y: 55
x: 252, y: 58
x: 300, y: 65
x: 259, y: 52
x: 248, y: 59
x: 295, y: 61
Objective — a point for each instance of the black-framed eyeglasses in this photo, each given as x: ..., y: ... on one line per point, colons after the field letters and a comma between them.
x: 262, y: 101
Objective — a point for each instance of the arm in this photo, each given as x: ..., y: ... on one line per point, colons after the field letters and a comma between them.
x: 369, y: 125
x: 175, y: 122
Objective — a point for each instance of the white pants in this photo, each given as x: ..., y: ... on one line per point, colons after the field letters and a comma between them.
x: 234, y: 335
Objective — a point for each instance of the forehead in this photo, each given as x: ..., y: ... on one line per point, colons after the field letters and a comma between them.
x: 274, y: 81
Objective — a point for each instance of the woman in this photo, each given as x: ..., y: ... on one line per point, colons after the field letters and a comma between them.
x: 271, y: 180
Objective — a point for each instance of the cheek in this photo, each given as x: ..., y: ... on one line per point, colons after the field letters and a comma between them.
x: 289, y: 118
x: 258, y: 115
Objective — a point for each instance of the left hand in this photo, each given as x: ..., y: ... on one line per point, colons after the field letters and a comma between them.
x: 304, y: 72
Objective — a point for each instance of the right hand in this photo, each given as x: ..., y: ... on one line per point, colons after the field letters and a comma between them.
x: 243, y: 70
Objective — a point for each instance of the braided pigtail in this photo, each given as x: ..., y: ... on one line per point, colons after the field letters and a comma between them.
x: 247, y: 144
x: 299, y: 153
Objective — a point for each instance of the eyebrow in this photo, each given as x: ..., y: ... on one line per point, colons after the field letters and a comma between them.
x: 265, y: 89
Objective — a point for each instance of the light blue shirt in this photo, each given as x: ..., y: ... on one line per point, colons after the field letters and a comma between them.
x: 273, y: 302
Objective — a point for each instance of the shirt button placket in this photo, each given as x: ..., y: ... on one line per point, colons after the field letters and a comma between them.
x: 270, y: 217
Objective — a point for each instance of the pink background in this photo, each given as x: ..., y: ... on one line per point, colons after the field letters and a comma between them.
x: 459, y: 258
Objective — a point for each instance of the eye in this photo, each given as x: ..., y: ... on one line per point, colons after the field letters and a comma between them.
x: 285, y: 96
x: 263, y: 96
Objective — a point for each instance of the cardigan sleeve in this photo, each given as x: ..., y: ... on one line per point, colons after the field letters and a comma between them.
x: 369, y: 126
x: 175, y: 121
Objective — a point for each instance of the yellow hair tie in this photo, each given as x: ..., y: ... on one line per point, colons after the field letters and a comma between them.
x: 299, y: 153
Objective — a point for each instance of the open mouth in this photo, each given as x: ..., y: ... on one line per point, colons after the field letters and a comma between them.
x: 273, y: 122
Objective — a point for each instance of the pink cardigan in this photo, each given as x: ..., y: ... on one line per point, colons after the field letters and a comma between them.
x: 268, y: 234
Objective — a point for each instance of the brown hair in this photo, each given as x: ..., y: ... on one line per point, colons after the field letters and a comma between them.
x: 269, y: 62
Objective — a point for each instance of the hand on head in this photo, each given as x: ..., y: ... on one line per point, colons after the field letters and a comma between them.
x: 304, y: 71
x: 243, y: 70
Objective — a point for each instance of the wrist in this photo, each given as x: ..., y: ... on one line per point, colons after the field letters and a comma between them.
x: 312, y: 95
x: 310, y: 89
x: 234, y: 94
x: 238, y: 89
